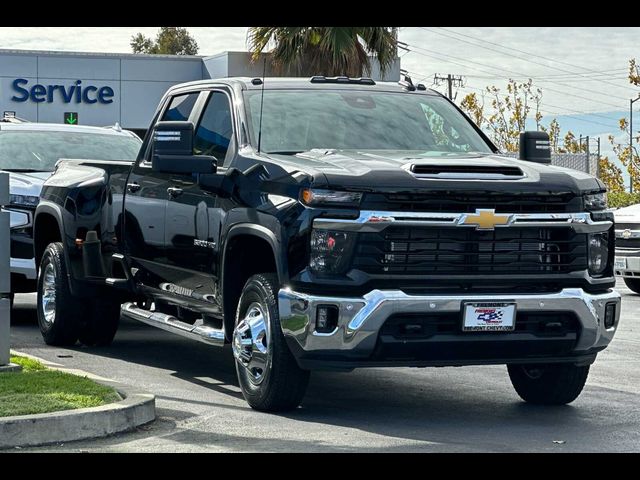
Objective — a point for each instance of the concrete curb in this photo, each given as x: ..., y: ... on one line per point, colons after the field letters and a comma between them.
x: 10, y: 368
x: 136, y: 408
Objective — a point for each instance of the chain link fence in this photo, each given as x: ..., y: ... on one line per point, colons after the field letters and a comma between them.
x: 576, y: 161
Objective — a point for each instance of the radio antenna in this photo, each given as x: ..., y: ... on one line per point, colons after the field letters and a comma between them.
x: 264, y: 73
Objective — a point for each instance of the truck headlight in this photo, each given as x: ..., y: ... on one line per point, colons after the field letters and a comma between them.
x: 594, y: 202
x: 316, y: 197
x: 330, y: 251
x: 598, y: 252
x: 24, y: 200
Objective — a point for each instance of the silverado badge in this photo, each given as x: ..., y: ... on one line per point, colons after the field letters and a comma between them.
x: 485, y: 219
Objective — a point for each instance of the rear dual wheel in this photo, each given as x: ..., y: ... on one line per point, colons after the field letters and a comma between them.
x: 632, y: 284
x: 65, y: 318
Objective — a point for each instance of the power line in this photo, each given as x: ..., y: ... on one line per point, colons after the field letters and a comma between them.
x: 520, y: 73
x: 529, y: 54
x: 563, y: 77
x: 548, y: 112
x: 497, y: 68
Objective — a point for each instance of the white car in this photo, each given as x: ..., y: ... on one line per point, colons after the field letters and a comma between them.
x: 627, y: 263
x: 29, y: 152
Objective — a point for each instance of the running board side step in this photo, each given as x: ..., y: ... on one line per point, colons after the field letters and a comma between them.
x: 202, y: 333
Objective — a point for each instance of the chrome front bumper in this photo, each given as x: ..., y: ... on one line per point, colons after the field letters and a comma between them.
x: 361, y: 318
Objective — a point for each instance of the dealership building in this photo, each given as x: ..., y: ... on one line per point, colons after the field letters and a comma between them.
x: 104, y: 88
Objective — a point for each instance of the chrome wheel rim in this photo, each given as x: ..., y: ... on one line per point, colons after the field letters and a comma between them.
x: 251, y: 344
x: 49, y: 294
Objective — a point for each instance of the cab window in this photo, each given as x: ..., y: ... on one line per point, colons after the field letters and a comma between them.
x: 215, y: 131
x: 180, y: 107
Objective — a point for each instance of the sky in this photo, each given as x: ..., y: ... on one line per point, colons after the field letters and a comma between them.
x: 582, y: 71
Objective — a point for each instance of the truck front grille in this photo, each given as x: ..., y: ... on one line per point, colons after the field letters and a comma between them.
x: 465, y: 251
x: 632, y: 243
x: 451, y: 202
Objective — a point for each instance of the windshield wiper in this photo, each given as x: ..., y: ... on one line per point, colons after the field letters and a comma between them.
x: 286, y: 152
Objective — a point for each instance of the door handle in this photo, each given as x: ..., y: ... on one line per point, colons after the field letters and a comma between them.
x: 133, y: 187
x: 174, y: 191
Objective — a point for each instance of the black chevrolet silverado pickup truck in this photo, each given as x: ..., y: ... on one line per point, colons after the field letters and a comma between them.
x: 333, y: 223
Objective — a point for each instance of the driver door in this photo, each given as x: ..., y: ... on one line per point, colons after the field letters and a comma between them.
x: 194, y: 215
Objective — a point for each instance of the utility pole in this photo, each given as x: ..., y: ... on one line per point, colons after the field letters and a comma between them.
x: 631, y: 143
x: 598, y: 161
x: 457, y: 80
x: 588, y: 157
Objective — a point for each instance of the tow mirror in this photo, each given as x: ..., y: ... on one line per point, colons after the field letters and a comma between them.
x: 535, y: 147
x: 173, y: 150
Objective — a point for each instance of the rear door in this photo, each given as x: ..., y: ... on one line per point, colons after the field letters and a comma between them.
x: 194, y: 216
x: 145, y: 206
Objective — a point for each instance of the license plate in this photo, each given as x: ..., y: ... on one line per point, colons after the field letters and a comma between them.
x: 489, y: 317
x: 621, y: 263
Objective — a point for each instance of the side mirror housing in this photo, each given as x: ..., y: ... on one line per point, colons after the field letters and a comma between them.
x: 173, y: 150
x: 535, y: 147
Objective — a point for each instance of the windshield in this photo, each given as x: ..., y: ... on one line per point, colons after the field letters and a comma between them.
x: 300, y: 120
x: 40, y: 150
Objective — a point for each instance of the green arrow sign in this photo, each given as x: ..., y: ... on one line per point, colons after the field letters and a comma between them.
x: 71, y: 118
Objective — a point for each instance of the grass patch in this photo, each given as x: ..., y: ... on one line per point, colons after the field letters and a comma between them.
x: 39, y: 390
x: 28, y: 364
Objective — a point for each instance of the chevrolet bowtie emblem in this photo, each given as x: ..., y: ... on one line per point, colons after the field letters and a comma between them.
x: 485, y: 219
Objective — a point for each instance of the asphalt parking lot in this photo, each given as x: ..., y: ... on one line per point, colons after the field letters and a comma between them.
x: 200, y: 407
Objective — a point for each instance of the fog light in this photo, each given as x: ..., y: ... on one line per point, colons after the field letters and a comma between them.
x: 609, y: 315
x: 598, y: 252
x: 326, y: 318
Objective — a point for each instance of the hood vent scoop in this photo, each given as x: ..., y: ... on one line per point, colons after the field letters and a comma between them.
x: 467, y: 172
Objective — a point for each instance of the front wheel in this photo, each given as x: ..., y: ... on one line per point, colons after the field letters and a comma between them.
x: 268, y: 374
x: 548, y: 384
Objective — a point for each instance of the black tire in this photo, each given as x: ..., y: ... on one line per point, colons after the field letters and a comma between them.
x: 283, y: 383
x: 548, y: 384
x: 633, y: 284
x: 60, y: 325
x: 101, y: 323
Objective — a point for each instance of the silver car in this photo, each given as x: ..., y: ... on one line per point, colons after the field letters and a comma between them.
x: 29, y: 152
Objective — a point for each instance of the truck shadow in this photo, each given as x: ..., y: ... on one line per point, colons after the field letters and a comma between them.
x: 472, y: 408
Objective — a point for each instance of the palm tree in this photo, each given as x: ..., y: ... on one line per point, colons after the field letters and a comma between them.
x: 329, y: 51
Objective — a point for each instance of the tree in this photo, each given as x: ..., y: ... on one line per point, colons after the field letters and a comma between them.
x: 329, y: 51
x: 627, y: 156
x: 611, y: 175
x: 509, y: 115
x: 571, y: 145
x: 509, y: 112
x: 169, y: 41
x: 554, y: 134
x: 634, y: 73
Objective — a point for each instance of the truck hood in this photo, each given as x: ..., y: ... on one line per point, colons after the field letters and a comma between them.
x: 27, y: 183
x: 391, y: 171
